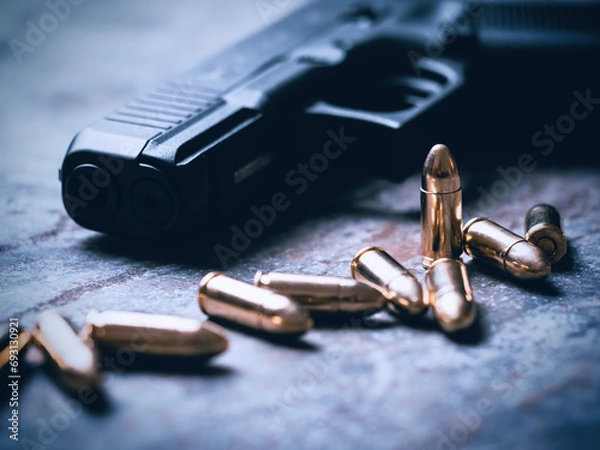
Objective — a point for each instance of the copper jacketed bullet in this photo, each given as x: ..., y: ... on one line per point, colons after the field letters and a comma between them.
x: 252, y: 306
x: 450, y: 294
x: 403, y: 291
x: 441, y: 207
x: 75, y: 360
x: 323, y: 293
x: 155, y: 334
x: 504, y: 249
x: 543, y: 228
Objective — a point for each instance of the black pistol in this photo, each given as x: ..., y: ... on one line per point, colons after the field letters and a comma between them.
x: 383, y: 78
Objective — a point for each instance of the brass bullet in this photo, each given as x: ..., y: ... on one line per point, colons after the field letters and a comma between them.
x: 155, y: 334
x: 75, y: 360
x: 506, y: 250
x: 450, y: 294
x: 543, y: 228
x: 376, y: 267
x: 323, y: 293
x: 441, y: 207
x: 252, y: 306
x: 15, y: 342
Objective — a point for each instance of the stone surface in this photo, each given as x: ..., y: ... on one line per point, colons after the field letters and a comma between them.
x: 527, y: 377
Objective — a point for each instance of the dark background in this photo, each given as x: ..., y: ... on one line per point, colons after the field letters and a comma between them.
x: 528, y: 376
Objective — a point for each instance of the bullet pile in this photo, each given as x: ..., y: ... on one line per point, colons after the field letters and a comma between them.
x: 283, y: 303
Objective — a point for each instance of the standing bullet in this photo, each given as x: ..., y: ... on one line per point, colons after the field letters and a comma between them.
x: 323, y: 293
x: 506, y: 250
x: 450, y: 294
x: 255, y: 307
x: 155, y: 334
x: 543, y: 228
x: 441, y: 207
x: 75, y: 360
x: 402, y: 289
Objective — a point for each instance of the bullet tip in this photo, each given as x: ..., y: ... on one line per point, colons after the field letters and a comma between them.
x: 411, y: 300
x: 454, y: 313
x: 525, y: 261
x: 212, y: 339
x: 290, y: 319
x: 440, y: 174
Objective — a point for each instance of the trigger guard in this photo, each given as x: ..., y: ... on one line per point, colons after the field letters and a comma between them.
x: 389, y: 120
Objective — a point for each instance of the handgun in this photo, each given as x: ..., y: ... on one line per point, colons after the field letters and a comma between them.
x: 380, y: 82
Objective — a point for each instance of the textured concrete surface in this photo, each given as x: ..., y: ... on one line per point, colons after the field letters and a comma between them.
x: 527, y: 377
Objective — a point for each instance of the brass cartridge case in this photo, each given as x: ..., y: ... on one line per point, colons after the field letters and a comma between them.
x: 252, y: 306
x: 376, y: 267
x: 75, y: 360
x: 323, y: 293
x: 543, y: 228
x: 155, y: 334
x: 441, y: 207
x: 450, y: 294
x: 504, y: 249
